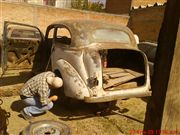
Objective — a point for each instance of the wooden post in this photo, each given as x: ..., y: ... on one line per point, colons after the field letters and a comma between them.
x: 171, y: 114
x: 166, y: 80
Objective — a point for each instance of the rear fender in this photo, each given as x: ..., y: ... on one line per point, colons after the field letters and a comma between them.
x: 74, y: 86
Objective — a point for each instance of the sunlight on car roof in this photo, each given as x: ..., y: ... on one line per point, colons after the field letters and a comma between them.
x: 110, y: 35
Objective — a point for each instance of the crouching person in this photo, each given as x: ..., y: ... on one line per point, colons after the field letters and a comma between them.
x: 36, y: 94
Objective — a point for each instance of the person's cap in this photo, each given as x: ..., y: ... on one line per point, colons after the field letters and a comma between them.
x: 54, y: 81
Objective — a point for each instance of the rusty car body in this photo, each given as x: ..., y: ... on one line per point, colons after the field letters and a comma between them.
x: 98, y: 62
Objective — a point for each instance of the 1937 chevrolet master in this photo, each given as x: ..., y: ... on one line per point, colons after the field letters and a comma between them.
x: 98, y: 62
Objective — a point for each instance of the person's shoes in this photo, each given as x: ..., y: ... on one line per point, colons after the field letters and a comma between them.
x: 25, y: 116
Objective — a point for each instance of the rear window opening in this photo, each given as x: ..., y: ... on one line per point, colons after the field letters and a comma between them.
x: 122, y: 69
x: 111, y: 35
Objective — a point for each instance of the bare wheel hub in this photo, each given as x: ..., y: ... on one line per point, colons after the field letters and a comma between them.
x: 47, y: 130
x: 47, y: 127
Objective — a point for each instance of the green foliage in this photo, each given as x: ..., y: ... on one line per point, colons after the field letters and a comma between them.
x: 80, y: 4
x: 85, y: 5
x: 96, y: 6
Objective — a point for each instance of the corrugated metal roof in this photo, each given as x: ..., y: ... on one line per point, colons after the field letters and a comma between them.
x: 157, y: 4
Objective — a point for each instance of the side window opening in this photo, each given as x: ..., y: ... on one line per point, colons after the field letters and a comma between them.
x: 63, y: 36
x: 50, y: 37
x: 50, y: 34
x: 23, y: 32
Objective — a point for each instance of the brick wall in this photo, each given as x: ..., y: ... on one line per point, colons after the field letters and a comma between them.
x: 146, y: 23
x: 118, y: 6
x: 146, y: 2
x: 124, y: 6
x: 42, y: 16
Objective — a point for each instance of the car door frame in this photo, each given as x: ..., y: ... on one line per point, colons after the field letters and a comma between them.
x: 5, y: 47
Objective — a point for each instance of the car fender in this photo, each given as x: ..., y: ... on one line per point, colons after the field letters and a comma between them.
x: 74, y: 86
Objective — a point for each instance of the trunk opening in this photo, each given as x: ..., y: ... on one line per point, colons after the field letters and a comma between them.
x: 122, y: 69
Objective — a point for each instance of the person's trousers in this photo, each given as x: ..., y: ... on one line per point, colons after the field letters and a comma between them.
x: 34, y: 106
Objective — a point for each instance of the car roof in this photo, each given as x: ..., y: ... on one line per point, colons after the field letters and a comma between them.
x: 82, y: 25
x: 80, y: 29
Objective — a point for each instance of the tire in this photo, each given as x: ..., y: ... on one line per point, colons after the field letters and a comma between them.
x: 46, y: 127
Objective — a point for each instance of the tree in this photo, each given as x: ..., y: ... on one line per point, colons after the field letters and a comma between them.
x: 85, y: 5
x: 80, y: 4
x: 96, y: 6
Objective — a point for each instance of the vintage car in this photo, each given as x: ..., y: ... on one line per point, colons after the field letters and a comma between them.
x: 98, y: 62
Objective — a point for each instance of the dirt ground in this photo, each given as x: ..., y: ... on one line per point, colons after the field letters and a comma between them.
x: 82, y: 118
x: 127, y: 116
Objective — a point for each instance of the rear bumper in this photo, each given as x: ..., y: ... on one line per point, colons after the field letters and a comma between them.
x: 120, y: 94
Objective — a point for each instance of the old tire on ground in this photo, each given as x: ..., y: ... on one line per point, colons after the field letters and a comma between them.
x: 46, y: 127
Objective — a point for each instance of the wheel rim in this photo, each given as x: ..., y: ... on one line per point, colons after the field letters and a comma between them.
x: 47, y: 129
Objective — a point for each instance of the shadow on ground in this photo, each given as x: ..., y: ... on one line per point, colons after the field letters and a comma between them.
x: 17, y: 105
x: 15, y: 79
x: 68, y: 109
